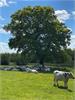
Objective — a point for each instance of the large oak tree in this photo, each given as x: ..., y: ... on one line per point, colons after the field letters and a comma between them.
x: 36, y: 31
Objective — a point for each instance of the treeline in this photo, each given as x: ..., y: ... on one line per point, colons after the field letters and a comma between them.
x: 66, y: 57
x: 7, y: 59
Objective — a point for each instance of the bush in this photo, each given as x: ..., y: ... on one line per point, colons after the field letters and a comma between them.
x: 20, y: 60
x: 4, y: 59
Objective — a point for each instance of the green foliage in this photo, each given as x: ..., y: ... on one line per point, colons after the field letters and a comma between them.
x: 69, y: 57
x: 20, y: 60
x: 13, y: 57
x: 66, y: 58
x: 4, y: 59
x: 36, y: 32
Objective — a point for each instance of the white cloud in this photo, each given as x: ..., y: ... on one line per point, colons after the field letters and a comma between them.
x: 73, y: 36
x: 12, y: 2
x: 2, y: 31
x: 70, y: 29
x: 62, y: 15
x: 6, y: 3
x: 4, y: 48
x: 73, y: 13
x: 72, y: 45
x: 3, y: 3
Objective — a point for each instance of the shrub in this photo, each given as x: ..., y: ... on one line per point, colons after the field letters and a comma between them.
x: 4, y: 59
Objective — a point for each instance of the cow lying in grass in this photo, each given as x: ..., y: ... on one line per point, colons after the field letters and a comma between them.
x: 62, y: 76
x: 31, y: 70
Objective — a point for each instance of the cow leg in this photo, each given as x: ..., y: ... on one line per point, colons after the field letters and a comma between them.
x: 57, y: 84
x: 54, y: 81
x: 65, y: 84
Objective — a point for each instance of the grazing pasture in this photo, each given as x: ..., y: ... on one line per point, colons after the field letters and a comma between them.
x: 16, y: 85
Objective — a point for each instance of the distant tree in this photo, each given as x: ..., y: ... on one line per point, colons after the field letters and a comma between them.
x: 13, y: 57
x: 66, y: 57
x: 5, y: 59
x: 20, y: 60
x: 37, y: 31
x: 69, y: 57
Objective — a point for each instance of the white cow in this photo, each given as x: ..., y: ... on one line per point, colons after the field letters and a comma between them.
x: 31, y: 70
x: 62, y: 76
x: 34, y: 71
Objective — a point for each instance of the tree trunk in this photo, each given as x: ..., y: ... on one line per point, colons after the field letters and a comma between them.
x: 42, y: 62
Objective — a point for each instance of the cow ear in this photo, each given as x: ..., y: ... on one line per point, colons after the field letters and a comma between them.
x: 70, y: 73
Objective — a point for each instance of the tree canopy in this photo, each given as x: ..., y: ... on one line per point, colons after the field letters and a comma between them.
x: 37, y: 32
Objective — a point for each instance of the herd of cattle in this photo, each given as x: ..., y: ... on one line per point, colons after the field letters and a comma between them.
x: 58, y: 75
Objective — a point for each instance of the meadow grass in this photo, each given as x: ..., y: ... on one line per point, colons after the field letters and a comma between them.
x: 16, y: 85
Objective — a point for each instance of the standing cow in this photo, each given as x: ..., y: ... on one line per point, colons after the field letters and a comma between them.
x: 62, y: 76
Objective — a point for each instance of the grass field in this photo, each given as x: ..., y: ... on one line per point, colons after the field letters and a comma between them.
x: 30, y: 86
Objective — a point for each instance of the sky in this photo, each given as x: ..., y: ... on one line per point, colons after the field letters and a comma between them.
x: 64, y: 10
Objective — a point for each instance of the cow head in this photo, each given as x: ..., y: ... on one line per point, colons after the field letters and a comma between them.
x: 71, y: 75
